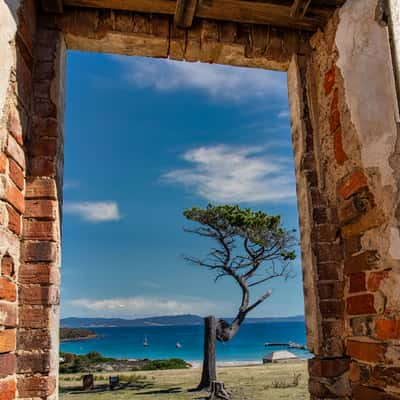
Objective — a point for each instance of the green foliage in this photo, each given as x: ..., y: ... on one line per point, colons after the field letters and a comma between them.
x: 256, y: 226
x: 172, y: 363
x: 76, y: 333
x: 74, y: 363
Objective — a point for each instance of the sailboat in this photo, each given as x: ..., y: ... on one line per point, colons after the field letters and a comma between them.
x: 145, y: 342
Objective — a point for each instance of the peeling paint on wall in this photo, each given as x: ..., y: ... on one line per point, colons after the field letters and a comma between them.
x: 8, y: 28
x: 365, y: 64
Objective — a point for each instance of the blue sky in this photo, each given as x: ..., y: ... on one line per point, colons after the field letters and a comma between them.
x: 145, y: 139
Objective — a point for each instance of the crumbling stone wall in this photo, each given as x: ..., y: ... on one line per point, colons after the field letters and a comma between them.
x: 345, y: 128
x: 345, y: 125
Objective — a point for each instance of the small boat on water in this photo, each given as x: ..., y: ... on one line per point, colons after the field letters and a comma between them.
x: 178, y: 345
x: 145, y: 342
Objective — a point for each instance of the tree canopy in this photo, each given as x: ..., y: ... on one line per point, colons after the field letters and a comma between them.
x: 252, y: 247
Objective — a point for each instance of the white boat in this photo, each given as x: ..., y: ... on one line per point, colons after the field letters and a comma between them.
x: 145, y: 342
x: 178, y: 345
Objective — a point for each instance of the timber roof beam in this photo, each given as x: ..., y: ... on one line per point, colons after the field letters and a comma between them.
x: 306, y: 15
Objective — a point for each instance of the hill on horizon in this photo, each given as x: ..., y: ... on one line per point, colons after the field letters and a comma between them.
x: 165, y: 320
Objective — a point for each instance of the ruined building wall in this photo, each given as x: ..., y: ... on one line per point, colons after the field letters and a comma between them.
x: 345, y: 129
x: 30, y: 160
x: 345, y: 134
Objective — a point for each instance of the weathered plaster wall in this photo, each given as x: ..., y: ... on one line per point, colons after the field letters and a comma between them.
x: 8, y: 29
x: 356, y: 148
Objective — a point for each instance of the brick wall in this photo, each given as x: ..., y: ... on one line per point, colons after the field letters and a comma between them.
x: 355, y: 272
x: 14, y: 130
x: 37, y: 361
x: 347, y: 205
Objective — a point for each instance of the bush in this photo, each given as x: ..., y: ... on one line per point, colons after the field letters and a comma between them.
x: 172, y: 363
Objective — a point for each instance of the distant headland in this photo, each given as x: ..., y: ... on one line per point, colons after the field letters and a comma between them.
x: 168, y: 320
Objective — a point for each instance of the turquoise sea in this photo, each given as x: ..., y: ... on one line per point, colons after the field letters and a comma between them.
x: 247, y: 345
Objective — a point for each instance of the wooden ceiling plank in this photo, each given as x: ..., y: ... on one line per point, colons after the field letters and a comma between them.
x: 184, y: 13
x: 52, y: 6
x: 225, y: 10
x: 299, y: 8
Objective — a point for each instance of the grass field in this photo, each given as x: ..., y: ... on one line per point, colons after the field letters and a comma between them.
x: 269, y: 382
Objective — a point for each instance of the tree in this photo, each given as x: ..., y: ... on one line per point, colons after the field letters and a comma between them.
x: 252, y: 248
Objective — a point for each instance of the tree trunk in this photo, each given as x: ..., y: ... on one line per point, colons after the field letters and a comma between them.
x: 218, y: 391
x: 209, y: 373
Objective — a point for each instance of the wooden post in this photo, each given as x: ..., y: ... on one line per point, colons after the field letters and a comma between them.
x: 209, y: 373
x: 87, y: 382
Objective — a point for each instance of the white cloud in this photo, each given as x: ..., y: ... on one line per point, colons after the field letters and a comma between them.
x: 236, y: 174
x: 284, y: 114
x: 142, y: 306
x: 218, y: 81
x: 96, y: 211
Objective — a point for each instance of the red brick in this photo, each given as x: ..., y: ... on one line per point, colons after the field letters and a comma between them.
x: 14, y: 220
x: 361, y: 262
x: 40, y: 188
x: 329, y: 82
x: 366, y: 351
x: 34, y: 339
x: 43, y: 166
x: 354, y: 372
x: 329, y: 252
x: 365, y: 393
x: 332, y: 328
x: 7, y: 266
x: 352, y: 245
x: 41, y: 208
x: 45, y: 126
x: 15, y: 151
x: 352, y: 184
x: 388, y: 329
x: 43, y: 147
x: 39, y: 295
x: 8, y: 364
x: 36, y: 386
x: 8, y: 289
x: 330, y: 290
x: 8, y: 339
x: 340, y: 155
x: 16, y: 174
x: 371, y: 219
x: 361, y: 304
x: 7, y: 389
x: 357, y: 282
x: 14, y: 126
x: 33, y: 363
x: 15, y: 197
x: 331, y: 308
x: 325, y: 233
x: 329, y: 271
x: 46, y: 273
x: 34, y: 317
x: 3, y: 163
x: 39, y: 251
x: 328, y: 368
x: 40, y: 230
x: 375, y: 279
x: 8, y: 314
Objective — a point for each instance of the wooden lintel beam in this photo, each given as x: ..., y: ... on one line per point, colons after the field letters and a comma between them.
x: 252, y: 12
x: 52, y: 6
x: 299, y: 8
x: 184, y: 13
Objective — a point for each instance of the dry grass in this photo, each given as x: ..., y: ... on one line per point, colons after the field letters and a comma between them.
x: 270, y: 382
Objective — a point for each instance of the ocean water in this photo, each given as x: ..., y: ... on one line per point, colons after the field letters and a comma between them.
x: 247, y: 345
